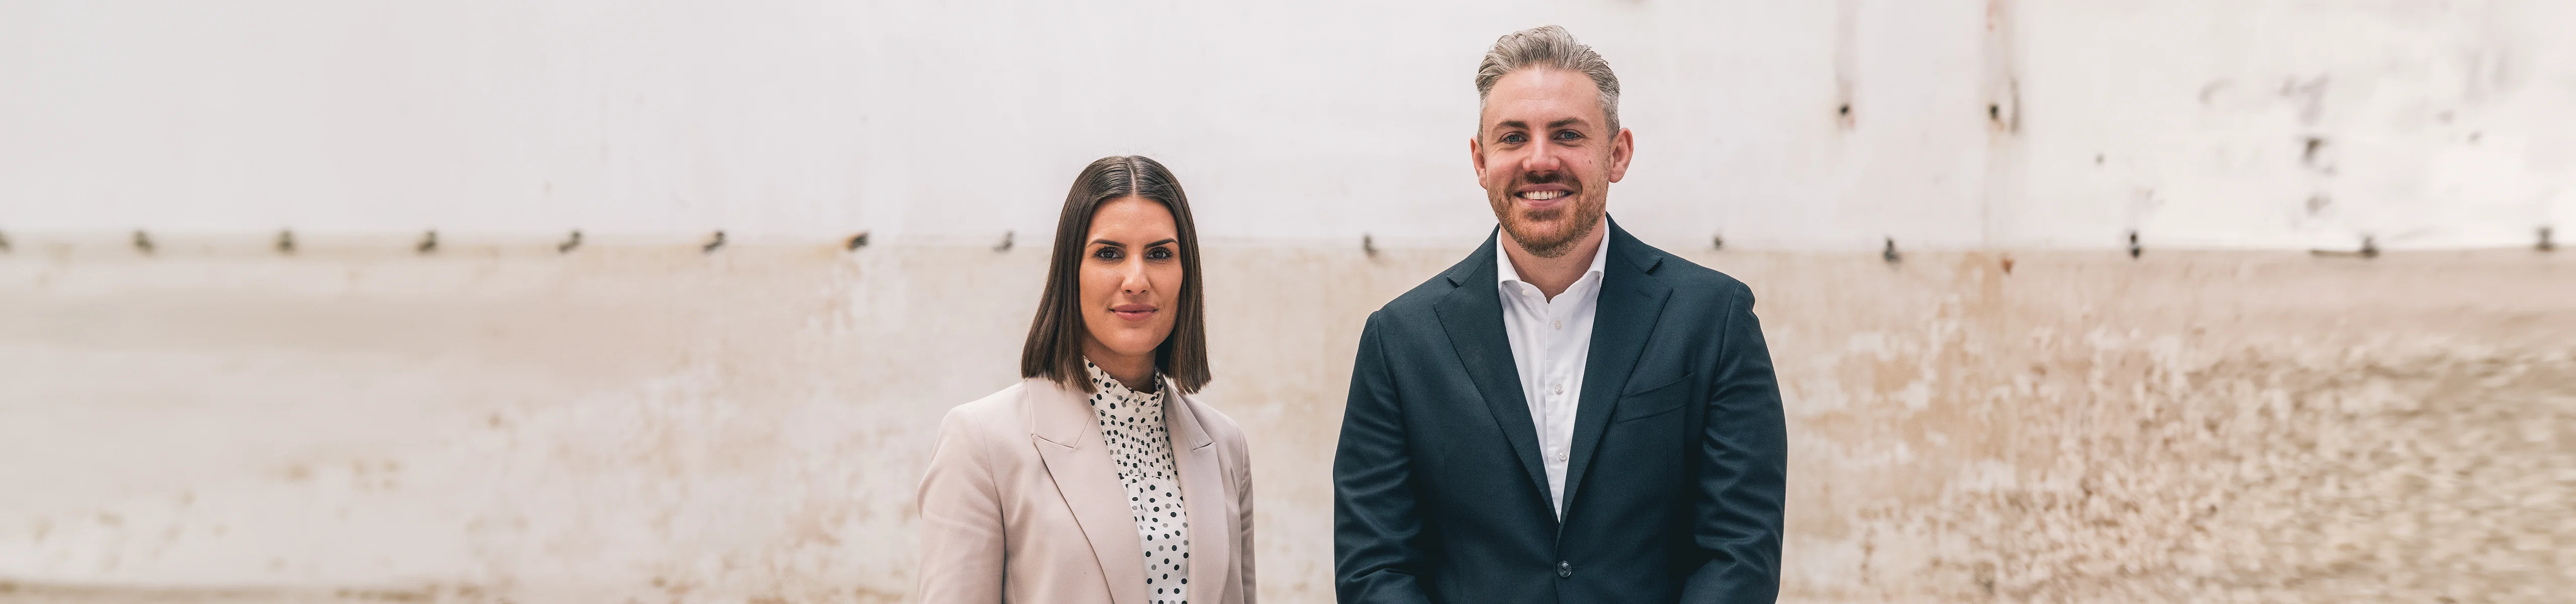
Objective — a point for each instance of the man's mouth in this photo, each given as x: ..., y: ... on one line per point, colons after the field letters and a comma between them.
x: 1542, y: 195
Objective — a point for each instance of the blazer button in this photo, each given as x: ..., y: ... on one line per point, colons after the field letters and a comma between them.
x: 1564, y: 570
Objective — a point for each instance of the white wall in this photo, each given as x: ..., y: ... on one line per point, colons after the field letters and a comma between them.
x: 2440, y: 123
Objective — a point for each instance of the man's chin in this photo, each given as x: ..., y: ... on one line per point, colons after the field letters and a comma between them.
x: 1546, y: 216
x: 1545, y: 239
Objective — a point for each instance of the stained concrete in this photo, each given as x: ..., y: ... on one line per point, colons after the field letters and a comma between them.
x: 628, y: 422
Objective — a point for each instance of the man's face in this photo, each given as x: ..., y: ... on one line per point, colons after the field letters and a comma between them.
x: 1546, y: 157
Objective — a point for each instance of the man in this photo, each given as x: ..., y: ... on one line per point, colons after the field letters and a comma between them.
x: 1569, y: 414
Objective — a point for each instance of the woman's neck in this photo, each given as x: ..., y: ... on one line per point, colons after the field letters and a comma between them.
x: 1136, y: 372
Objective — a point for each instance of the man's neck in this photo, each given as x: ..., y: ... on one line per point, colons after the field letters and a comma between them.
x: 1554, y: 275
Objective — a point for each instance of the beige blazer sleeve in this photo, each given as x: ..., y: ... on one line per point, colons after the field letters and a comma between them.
x: 1241, y: 469
x: 961, y: 520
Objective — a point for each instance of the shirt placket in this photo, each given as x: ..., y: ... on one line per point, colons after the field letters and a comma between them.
x: 1560, y: 405
x: 1550, y: 384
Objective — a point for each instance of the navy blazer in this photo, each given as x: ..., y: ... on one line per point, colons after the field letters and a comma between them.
x: 1673, y: 492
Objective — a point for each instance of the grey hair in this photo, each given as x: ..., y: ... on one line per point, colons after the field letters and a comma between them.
x: 1547, y: 46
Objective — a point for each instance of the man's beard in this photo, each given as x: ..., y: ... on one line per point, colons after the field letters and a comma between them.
x: 1523, y: 224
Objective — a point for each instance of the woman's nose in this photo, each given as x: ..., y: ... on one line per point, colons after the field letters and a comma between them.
x: 1131, y: 277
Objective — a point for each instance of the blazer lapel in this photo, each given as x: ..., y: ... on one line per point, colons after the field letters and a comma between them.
x: 1206, y: 498
x: 1631, y: 303
x: 1473, y: 316
x: 1067, y: 435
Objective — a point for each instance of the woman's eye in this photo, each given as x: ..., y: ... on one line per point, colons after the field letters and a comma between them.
x: 1106, y: 253
x: 1158, y: 254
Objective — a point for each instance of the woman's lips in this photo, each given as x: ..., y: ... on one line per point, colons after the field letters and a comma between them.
x: 1132, y: 312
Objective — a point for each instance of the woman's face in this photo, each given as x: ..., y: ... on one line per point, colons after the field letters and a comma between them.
x: 1131, y: 279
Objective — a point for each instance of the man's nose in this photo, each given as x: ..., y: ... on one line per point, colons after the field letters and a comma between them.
x: 1545, y: 158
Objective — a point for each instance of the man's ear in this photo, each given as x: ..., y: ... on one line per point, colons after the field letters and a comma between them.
x: 1622, y: 148
x: 1476, y: 154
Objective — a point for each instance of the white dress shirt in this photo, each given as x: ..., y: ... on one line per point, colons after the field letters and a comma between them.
x: 1550, y: 339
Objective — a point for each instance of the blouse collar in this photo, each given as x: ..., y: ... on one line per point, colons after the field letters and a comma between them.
x: 1102, y: 381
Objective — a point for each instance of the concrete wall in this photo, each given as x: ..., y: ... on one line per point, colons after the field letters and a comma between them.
x: 2015, y: 412
x: 1997, y: 123
x: 502, y: 423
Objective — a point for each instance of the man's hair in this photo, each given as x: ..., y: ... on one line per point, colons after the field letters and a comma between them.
x: 1547, y: 46
x: 1054, y: 348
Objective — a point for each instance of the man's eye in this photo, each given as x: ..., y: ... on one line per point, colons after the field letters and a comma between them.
x: 1514, y: 138
x: 1158, y: 254
x: 1567, y: 135
x: 1106, y: 253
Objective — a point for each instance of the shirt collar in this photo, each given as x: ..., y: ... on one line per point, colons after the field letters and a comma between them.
x: 1505, y: 274
x: 1101, y: 379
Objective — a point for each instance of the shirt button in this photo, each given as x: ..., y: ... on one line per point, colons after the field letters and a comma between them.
x: 1560, y: 325
x: 1560, y: 389
x: 1560, y: 457
x: 1564, y: 570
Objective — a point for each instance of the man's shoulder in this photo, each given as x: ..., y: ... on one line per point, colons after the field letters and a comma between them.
x: 1692, y: 282
x: 1689, y: 279
x: 1421, y: 301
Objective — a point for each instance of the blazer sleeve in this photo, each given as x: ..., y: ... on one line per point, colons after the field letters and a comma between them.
x: 1243, y: 545
x: 961, y: 520
x: 1743, y: 462
x: 1378, y: 556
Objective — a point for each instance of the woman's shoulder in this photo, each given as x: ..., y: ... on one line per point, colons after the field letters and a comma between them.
x: 1218, y: 425
x: 991, y: 414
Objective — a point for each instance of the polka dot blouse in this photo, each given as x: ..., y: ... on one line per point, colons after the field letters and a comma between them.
x: 1132, y: 423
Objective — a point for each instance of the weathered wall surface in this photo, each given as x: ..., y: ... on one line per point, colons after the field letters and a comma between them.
x: 638, y: 420
x: 496, y: 422
x: 1819, y: 125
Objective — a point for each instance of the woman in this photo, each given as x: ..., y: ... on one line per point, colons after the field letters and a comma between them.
x: 1098, y: 477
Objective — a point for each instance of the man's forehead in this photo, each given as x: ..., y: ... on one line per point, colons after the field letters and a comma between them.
x: 1545, y: 80
x: 1542, y: 95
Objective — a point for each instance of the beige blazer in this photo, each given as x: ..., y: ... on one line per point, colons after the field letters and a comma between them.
x: 1022, y: 504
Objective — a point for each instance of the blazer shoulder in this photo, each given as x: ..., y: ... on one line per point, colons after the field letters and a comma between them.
x: 1422, y: 300
x: 1227, y: 437
x: 1219, y: 425
x: 1690, y: 280
x: 991, y: 418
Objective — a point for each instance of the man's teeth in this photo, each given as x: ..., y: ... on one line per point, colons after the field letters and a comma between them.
x: 1542, y: 195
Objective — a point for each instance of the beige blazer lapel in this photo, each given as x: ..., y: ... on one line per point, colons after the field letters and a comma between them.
x: 1207, y: 498
x: 1067, y: 435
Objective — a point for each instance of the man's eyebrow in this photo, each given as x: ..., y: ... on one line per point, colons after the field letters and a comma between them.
x: 1521, y: 125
